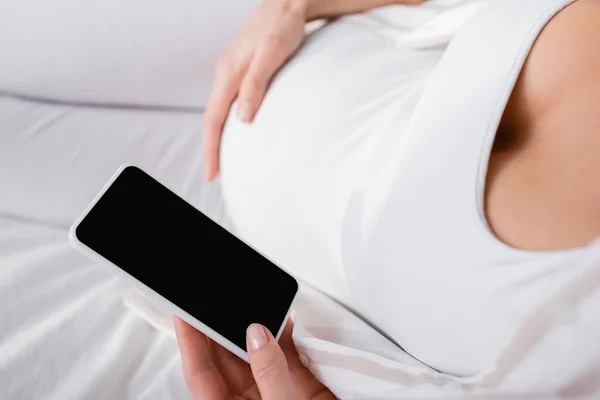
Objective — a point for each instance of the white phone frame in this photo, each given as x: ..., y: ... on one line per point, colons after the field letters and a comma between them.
x: 148, y: 291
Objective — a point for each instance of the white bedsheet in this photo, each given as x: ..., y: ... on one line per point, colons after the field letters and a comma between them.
x: 64, y: 331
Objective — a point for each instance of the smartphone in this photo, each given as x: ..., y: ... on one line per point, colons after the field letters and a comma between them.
x: 175, y: 254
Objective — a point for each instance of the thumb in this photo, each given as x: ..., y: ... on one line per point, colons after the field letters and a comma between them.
x: 268, y: 363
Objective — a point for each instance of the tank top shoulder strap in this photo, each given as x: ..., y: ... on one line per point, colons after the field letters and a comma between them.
x: 441, y: 174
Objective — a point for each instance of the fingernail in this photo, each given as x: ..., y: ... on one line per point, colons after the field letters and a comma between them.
x: 257, y: 338
x: 245, y: 112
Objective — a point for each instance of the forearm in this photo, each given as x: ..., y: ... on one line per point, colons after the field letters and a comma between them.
x: 316, y: 9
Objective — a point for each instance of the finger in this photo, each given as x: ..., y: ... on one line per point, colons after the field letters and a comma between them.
x: 236, y: 371
x: 301, y: 377
x: 268, y: 363
x: 265, y: 64
x: 201, y: 373
x: 226, y: 86
x: 286, y: 342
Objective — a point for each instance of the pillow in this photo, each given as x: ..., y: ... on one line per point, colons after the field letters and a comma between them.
x: 141, y: 52
x: 55, y: 158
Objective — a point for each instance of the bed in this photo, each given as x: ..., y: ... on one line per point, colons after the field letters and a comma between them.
x: 83, y: 90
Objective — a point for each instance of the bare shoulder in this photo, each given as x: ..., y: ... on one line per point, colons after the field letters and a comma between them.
x: 563, y: 62
x: 543, y: 189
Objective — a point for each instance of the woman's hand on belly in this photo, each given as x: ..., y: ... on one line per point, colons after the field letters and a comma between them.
x: 274, y: 32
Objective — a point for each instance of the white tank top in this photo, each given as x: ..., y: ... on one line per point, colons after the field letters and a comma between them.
x: 364, y: 175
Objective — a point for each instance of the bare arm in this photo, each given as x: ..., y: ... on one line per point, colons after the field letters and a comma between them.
x: 317, y: 9
x: 543, y: 190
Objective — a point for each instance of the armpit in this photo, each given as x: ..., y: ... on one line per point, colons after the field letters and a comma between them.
x: 543, y: 189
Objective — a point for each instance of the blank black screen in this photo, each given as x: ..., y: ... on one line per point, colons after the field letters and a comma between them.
x: 165, y: 243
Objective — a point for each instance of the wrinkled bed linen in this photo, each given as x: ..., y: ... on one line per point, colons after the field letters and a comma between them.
x: 64, y: 331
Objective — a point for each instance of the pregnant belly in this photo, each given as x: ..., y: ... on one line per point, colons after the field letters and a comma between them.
x: 331, y: 119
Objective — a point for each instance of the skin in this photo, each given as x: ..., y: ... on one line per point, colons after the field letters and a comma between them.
x: 543, y: 183
x: 275, y: 371
x: 543, y: 186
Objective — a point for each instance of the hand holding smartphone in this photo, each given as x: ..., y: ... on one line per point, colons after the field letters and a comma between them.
x: 172, y: 252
